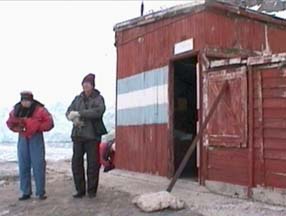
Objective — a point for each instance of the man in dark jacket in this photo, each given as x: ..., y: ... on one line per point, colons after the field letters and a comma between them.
x: 86, y: 112
x: 30, y: 119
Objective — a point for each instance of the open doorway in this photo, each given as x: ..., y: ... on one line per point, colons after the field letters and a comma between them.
x: 185, y: 113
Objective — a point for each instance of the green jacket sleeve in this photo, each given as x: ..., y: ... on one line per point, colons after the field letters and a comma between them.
x: 71, y: 106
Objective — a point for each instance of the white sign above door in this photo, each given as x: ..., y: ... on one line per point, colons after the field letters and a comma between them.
x: 184, y: 46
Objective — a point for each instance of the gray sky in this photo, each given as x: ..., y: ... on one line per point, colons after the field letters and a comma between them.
x: 48, y: 46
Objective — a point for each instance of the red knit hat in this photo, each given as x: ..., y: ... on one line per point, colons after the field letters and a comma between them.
x: 89, y: 78
x: 27, y: 95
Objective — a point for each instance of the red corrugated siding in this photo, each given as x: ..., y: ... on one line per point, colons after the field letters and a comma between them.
x: 209, y: 29
x: 270, y: 127
x: 143, y: 148
x: 156, y: 47
x: 233, y: 32
x: 228, y: 165
x: 275, y: 38
x: 227, y: 155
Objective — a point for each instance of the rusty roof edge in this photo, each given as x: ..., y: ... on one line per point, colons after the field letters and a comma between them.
x: 190, y: 7
x: 169, y: 12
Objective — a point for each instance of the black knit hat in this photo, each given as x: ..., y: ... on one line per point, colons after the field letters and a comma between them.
x: 89, y: 78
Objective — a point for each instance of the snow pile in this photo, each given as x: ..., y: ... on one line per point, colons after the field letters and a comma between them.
x: 152, y: 202
x: 273, y: 12
x: 281, y: 14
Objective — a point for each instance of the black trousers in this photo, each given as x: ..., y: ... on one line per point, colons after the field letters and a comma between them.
x: 91, y: 148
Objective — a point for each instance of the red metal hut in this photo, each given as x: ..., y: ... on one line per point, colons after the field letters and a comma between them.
x: 170, y: 67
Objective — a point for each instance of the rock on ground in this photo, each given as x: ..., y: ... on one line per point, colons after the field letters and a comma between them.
x: 152, y: 202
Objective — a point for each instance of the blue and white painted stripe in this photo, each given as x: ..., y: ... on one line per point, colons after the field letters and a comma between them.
x: 143, y: 98
x: 147, y: 79
x: 143, y: 115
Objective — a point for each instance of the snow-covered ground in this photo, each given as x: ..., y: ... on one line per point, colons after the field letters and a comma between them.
x: 54, y: 151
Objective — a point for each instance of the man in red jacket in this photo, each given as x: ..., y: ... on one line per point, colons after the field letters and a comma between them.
x: 30, y: 119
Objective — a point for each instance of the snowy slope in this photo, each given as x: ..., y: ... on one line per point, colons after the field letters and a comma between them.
x: 60, y: 133
x: 58, y: 142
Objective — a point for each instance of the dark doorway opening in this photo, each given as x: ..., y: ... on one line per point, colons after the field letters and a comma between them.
x: 185, y: 114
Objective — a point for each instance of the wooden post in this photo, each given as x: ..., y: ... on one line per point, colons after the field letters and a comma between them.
x: 250, y: 133
x: 198, y: 136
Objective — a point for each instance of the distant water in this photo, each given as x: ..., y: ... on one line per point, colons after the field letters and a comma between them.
x: 54, y: 151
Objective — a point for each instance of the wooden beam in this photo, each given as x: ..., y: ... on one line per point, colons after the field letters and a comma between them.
x: 250, y: 133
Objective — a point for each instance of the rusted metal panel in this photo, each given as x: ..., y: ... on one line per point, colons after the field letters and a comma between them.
x: 143, y: 149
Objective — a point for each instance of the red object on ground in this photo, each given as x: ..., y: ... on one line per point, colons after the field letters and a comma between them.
x: 107, y: 155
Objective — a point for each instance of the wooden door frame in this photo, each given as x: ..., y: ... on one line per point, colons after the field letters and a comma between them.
x: 172, y: 60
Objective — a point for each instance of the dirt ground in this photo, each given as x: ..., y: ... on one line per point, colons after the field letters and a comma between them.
x: 116, y: 190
